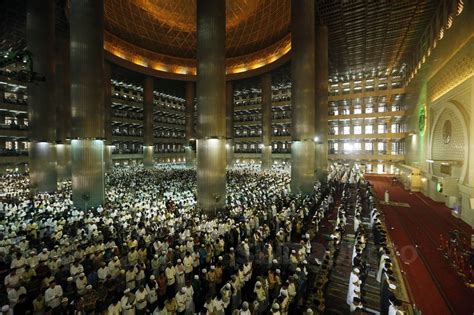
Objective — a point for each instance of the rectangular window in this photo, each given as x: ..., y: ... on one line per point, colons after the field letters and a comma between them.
x: 347, y: 130
x: 357, y: 110
x: 381, y: 128
x: 336, y: 146
x: 348, y: 147
x: 369, y: 129
x: 394, y: 128
x: 369, y: 110
x: 381, y: 109
x: 368, y: 146
x: 357, y: 146
x: 381, y: 146
x: 357, y: 130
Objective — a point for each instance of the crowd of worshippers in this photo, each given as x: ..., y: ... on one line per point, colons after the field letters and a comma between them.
x: 390, y: 304
x: 148, y: 250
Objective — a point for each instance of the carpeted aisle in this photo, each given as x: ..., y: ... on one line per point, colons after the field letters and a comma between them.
x: 434, y: 283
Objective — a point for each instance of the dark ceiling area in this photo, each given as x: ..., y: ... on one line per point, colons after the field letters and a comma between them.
x: 367, y: 35
x: 364, y: 36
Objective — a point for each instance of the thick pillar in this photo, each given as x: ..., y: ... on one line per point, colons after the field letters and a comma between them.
x: 148, y: 138
x: 42, y: 107
x: 322, y: 76
x: 266, y: 84
x: 108, y: 148
x: 63, y: 108
x: 302, y: 96
x: 229, y: 120
x: 211, y: 131
x: 190, y: 147
x: 87, y: 102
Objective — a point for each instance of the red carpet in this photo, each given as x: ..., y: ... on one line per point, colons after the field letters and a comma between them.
x: 434, y: 283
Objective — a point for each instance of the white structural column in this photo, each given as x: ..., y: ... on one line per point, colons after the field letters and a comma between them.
x: 87, y: 102
x: 42, y: 108
x: 302, y: 96
x: 148, y: 138
x: 211, y: 125
x: 266, y: 85
x: 321, y: 75
x: 229, y: 105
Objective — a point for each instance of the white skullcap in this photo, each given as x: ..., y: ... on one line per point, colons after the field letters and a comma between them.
x: 5, y: 308
x: 126, y: 291
x: 152, y: 277
x: 275, y: 306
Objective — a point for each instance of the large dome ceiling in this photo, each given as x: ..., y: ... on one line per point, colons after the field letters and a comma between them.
x: 164, y: 31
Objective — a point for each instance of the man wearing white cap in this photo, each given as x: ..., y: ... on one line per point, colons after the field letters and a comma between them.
x: 114, y: 267
x: 128, y: 302
x: 81, y: 283
x: 245, y: 309
x: 181, y: 301
x: 53, y: 295
x: 275, y: 309
x: 141, y: 300
x: 6, y: 310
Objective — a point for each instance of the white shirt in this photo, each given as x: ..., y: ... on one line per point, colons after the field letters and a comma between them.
x: 53, y: 296
x: 141, y: 295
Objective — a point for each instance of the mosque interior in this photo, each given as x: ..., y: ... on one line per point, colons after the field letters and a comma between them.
x: 236, y: 157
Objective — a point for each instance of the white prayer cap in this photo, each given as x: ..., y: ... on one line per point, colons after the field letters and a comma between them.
x: 81, y: 274
x: 89, y: 287
x: 45, y: 250
x: 5, y: 308
x: 179, y: 261
x: 220, y: 258
x: 196, y: 277
x: 204, y: 270
x: 258, y: 283
x: 309, y: 311
x: 245, y: 305
x: 284, y: 293
x: 357, y: 289
x: 156, y: 256
x: 275, y: 261
x: 293, y: 251
x: 275, y: 306
x: 152, y: 277
x: 356, y: 270
x: 116, y: 258
x: 213, y: 267
x: 126, y: 291
x: 278, y: 271
x: 183, y: 290
x: 227, y: 285
x: 392, y: 286
x: 69, y: 279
